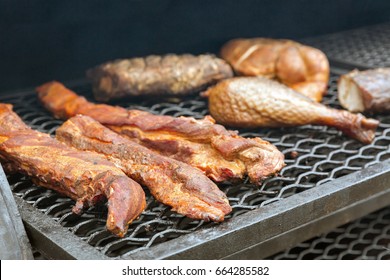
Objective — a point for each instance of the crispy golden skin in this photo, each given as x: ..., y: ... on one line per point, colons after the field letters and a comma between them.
x: 221, y: 154
x: 302, y: 68
x: 186, y: 189
x: 85, y: 177
x: 157, y: 75
x: 262, y: 102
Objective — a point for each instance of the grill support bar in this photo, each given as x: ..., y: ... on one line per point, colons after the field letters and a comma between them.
x: 14, y: 243
x: 261, y: 232
x: 51, y: 239
x: 314, y: 228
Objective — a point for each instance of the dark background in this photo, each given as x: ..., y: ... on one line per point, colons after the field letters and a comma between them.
x: 45, y: 40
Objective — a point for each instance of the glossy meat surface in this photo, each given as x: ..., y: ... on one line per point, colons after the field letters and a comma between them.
x: 85, y: 177
x: 221, y: 154
x: 262, y: 102
x: 186, y: 189
x: 157, y: 75
x: 365, y: 91
x: 302, y: 68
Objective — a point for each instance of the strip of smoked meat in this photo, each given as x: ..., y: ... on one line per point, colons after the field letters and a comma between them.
x: 186, y: 189
x: 86, y: 177
x: 220, y: 153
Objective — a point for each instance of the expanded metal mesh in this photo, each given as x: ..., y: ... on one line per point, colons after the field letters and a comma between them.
x: 314, y: 155
x: 367, y: 238
x: 368, y: 46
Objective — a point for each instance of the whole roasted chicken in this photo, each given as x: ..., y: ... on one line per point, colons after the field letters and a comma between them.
x: 302, y: 68
x: 261, y: 102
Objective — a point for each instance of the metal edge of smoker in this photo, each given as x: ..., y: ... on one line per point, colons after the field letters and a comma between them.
x: 278, y: 226
x: 13, y: 238
x: 51, y: 239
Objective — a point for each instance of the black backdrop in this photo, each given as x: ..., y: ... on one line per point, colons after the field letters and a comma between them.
x: 44, y: 40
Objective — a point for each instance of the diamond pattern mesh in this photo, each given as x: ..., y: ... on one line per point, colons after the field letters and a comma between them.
x: 367, y: 47
x: 367, y: 238
x: 314, y: 156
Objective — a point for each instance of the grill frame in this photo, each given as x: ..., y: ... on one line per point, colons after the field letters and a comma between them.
x: 51, y: 239
x: 367, y: 238
x: 237, y: 238
x: 258, y: 233
x: 278, y: 222
x: 282, y: 223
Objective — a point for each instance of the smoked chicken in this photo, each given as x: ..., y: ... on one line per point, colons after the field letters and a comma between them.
x: 302, y: 68
x: 86, y: 177
x: 262, y: 102
x: 221, y: 154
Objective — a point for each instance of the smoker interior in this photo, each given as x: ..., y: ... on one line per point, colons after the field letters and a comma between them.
x: 367, y: 47
x: 316, y: 158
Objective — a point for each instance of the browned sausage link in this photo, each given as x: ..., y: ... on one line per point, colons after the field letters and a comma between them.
x: 157, y: 75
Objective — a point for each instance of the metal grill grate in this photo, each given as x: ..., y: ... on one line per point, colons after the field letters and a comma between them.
x: 314, y: 156
x: 367, y: 238
x: 366, y: 47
